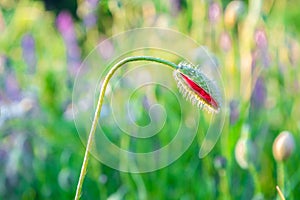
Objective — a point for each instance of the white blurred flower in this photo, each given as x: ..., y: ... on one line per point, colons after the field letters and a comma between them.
x: 15, y: 109
x: 244, y: 149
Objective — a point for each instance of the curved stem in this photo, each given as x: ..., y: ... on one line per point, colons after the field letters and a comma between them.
x: 98, y: 110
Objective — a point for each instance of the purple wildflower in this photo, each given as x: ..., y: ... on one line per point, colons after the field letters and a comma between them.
x: 65, y: 26
x: 175, y: 6
x: 261, y: 42
x: 259, y: 93
x: 12, y: 88
x: 28, y: 48
x: 90, y: 20
x: 87, y: 12
x: 220, y: 162
x: 234, y: 111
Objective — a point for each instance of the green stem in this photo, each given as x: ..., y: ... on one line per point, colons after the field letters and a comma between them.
x: 255, y: 176
x: 224, y: 187
x: 280, y: 176
x: 98, y: 110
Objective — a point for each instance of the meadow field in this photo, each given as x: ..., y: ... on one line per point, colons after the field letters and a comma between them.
x: 150, y: 141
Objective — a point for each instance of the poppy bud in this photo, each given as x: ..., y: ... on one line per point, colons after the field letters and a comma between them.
x: 283, y: 146
x: 196, y: 87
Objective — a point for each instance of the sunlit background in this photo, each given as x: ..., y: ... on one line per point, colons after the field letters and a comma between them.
x: 256, y: 43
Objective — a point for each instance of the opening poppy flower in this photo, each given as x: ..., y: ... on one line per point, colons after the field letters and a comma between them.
x: 197, y: 88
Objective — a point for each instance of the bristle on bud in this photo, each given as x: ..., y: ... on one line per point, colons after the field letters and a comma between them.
x: 197, y: 88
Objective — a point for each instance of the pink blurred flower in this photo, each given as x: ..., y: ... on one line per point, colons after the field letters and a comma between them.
x: 65, y: 26
x: 225, y: 41
x: 214, y: 12
x: 261, y: 39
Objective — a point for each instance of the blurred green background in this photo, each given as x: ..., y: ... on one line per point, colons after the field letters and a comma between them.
x: 42, y: 44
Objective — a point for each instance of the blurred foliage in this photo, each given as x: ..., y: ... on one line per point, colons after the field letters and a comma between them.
x: 42, y: 46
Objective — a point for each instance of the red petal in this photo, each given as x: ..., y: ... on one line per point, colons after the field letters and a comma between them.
x: 201, y: 92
